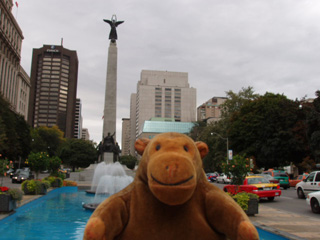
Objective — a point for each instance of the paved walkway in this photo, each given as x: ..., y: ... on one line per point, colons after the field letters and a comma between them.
x: 287, y: 224
x: 290, y: 225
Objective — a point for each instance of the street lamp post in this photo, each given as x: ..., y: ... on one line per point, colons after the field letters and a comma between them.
x: 227, y: 139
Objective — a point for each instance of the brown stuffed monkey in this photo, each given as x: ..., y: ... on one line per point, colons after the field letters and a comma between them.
x: 170, y: 199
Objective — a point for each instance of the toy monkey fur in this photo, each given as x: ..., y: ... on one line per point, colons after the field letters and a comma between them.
x: 170, y: 199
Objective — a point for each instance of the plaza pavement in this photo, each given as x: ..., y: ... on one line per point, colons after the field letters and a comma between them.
x: 287, y: 224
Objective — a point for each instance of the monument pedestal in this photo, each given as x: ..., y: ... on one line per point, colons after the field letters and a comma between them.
x: 108, y: 157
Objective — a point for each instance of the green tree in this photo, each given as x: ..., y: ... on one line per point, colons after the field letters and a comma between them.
x: 78, y: 153
x: 47, y: 139
x: 38, y: 162
x: 263, y: 128
x: 197, y: 130
x: 54, y: 164
x: 236, y: 100
x: 14, y: 133
x: 313, y: 127
x: 215, y: 134
x: 238, y: 169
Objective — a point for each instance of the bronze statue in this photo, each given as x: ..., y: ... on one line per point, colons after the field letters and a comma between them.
x: 108, y: 143
x: 113, y: 24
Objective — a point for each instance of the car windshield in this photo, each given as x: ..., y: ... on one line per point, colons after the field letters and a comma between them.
x: 267, y: 176
x: 257, y: 180
x: 279, y: 174
x: 26, y: 173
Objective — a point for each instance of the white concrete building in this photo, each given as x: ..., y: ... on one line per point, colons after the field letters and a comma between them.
x: 162, y: 94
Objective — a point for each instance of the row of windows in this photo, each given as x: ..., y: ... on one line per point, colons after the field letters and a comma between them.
x: 11, y: 32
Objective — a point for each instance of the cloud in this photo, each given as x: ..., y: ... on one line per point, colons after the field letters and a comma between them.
x: 223, y: 45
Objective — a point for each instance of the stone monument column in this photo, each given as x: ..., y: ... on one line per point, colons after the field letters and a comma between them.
x: 110, y: 102
x: 109, y: 148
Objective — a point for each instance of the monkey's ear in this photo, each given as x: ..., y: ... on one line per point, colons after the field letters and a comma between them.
x: 203, y: 149
x: 141, y: 144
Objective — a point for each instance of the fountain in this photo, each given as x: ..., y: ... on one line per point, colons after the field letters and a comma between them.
x: 111, y: 178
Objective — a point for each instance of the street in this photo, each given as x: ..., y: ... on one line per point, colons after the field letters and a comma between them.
x: 288, y: 201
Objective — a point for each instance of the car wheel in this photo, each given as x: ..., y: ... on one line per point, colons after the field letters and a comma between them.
x: 270, y: 199
x: 300, y: 193
x: 223, y: 181
x: 13, y: 181
x: 315, y: 205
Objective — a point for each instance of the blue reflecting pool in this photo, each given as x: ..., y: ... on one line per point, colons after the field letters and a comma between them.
x: 59, y: 215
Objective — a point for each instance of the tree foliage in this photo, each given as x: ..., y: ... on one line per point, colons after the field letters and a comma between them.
x: 78, y: 153
x: 271, y: 129
x: 46, y: 139
x: 236, y: 100
x: 238, y: 169
x: 14, y: 133
x: 38, y: 162
x: 263, y: 128
x: 54, y: 164
x: 313, y: 127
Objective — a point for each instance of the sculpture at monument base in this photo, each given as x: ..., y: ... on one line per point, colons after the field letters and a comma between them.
x: 109, y: 145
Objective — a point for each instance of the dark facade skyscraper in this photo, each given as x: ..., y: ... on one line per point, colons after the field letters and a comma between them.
x: 54, y: 76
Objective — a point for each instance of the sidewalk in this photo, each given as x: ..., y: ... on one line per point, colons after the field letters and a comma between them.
x: 289, y: 225
x: 283, y: 223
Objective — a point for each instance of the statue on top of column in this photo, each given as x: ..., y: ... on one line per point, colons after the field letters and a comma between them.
x: 113, y: 24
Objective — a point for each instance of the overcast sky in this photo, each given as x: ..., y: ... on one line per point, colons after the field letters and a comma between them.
x: 271, y: 45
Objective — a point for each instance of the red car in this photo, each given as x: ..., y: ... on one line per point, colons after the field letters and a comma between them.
x: 293, y: 182
x: 257, y: 185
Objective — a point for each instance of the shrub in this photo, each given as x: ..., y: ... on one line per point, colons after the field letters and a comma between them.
x: 54, y: 181
x: 16, y: 194
x: 129, y: 161
x: 58, y: 174
x: 243, y: 198
x: 46, y: 183
x: 34, y: 187
x: 68, y: 183
x: 31, y: 187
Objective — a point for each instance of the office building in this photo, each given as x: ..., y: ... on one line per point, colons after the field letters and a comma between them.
x: 14, y: 82
x: 210, y: 110
x: 85, y: 134
x: 78, y: 120
x: 24, y: 86
x: 54, y: 76
x: 161, y: 94
x: 125, y: 137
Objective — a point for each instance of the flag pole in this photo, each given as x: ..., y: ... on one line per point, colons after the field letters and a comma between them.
x: 17, y: 5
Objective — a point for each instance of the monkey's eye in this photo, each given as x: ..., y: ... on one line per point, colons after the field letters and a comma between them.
x: 185, y: 148
x: 158, y: 147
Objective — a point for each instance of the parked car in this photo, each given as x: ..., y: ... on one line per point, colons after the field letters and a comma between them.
x: 269, y: 177
x: 15, y: 172
x: 313, y: 200
x: 212, y: 177
x: 10, y: 171
x: 21, y: 176
x: 258, y: 185
x: 282, y: 176
x: 308, y: 185
x: 223, y: 178
x: 293, y: 182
